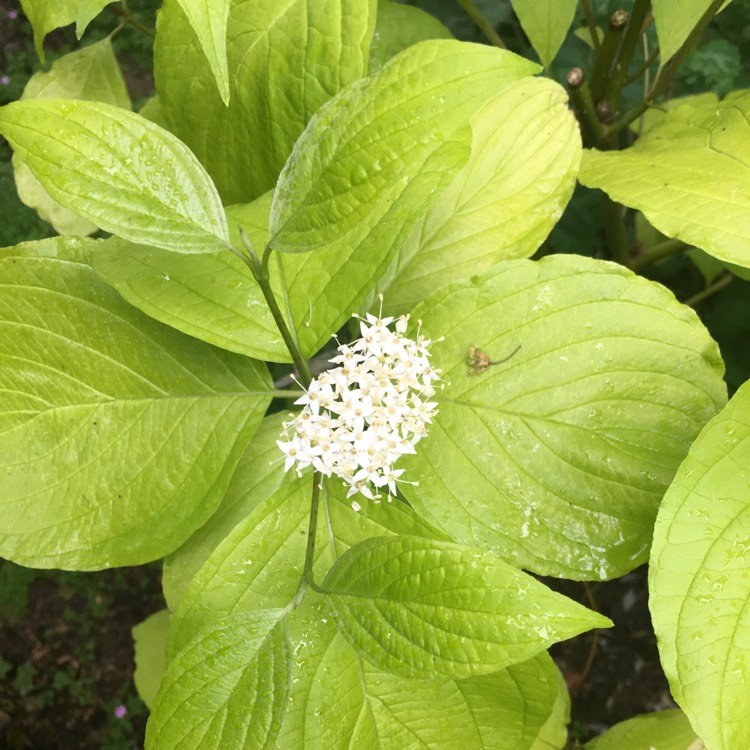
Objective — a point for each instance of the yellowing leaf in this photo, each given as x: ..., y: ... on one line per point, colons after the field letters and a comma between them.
x: 674, y: 20
x: 699, y: 577
x: 689, y: 174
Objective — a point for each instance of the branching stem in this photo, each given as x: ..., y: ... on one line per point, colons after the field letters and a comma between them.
x: 633, y: 32
x: 484, y: 25
x: 591, y: 23
x: 657, y: 252
x: 259, y: 270
x: 723, y: 281
x: 129, y: 20
x: 605, y: 58
x: 661, y: 85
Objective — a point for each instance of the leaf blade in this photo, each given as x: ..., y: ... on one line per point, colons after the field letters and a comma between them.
x: 692, y: 170
x: 254, y: 675
x: 90, y: 73
x: 525, y: 154
x: 285, y: 60
x: 119, y: 435
x: 698, y: 578
x: 118, y: 170
x: 420, y: 608
x: 575, y: 438
x: 358, y: 180
x: 546, y: 24
x: 209, y: 21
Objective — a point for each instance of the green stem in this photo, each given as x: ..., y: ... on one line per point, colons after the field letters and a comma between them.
x: 591, y: 23
x: 265, y: 285
x: 484, y: 25
x: 261, y: 275
x: 711, y: 289
x: 617, y: 237
x: 284, y: 393
x: 580, y: 95
x: 607, y: 54
x: 643, y: 68
x: 657, y: 252
x: 129, y: 19
x: 633, y: 33
x: 312, y: 529
x: 661, y: 85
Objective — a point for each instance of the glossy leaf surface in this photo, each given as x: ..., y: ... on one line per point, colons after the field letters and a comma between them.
x: 286, y: 58
x: 558, y: 458
x: 335, y: 699
x: 699, y: 578
x: 420, y: 608
x: 119, y: 435
x: 358, y: 180
x: 90, y: 73
x: 525, y: 153
x: 119, y: 171
x: 210, y: 296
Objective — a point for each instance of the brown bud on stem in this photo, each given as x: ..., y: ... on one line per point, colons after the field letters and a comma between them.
x: 575, y: 78
x: 619, y: 20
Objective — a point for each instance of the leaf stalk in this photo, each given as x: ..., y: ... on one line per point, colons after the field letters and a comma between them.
x: 657, y: 252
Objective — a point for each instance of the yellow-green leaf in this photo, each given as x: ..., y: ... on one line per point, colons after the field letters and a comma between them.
x: 689, y: 174
x: 91, y: 73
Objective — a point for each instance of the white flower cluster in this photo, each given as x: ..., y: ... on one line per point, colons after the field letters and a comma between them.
x: 360, y: 417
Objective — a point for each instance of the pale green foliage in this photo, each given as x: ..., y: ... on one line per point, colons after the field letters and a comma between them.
x: 286, y: 58
x: 419, y: 607
x: 209, y: 296
x: 119, y: 170
x: 546, y: 23
x: 689, y: 174
x: 525, y: 153
x: 150, y: 651
x: 398, y: 27
x: 699, y: 579
x: 358, y: 180
x: 664, y: 730
x: 300, y: 157
x: 208, y: 19
x: 91, y: 73
x: 674, y: 20
x: 259, y: 474
x: 336, y: 699
x: 111, y: 421
x: 48, y: 15
x: 560, y: 456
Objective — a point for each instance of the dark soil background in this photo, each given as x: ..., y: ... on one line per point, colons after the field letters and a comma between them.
x: 66, y: 657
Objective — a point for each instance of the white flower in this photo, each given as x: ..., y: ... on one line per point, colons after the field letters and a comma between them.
x: 360, y: 417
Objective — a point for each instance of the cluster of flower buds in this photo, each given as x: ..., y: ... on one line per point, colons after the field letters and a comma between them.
x: 361, y: 416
